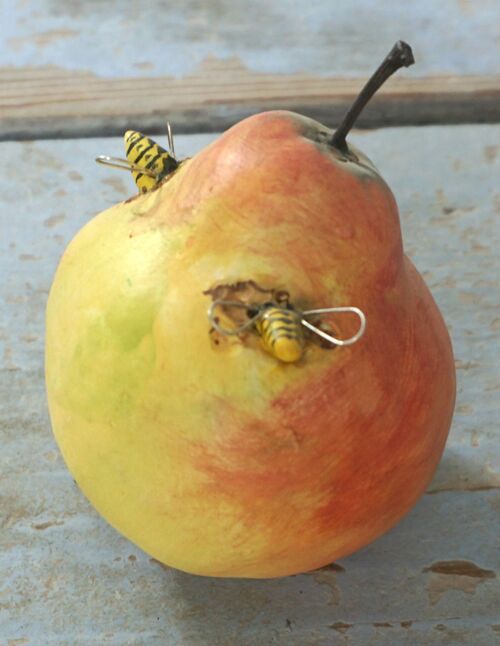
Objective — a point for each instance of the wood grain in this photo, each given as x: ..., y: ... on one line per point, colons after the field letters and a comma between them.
x: 52, y: 102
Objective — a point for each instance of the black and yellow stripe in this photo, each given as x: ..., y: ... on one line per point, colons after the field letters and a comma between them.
x: 148, y: 155
x: 281, y: 333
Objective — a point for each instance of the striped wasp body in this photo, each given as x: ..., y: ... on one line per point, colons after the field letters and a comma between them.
x: 281, y: 327
x: 148, y: 162
x: 281, y: 332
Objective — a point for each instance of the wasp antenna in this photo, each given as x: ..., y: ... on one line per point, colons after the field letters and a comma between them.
x: 170, y: 138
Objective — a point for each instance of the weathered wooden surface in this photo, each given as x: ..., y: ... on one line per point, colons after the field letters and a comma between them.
x: 121, y: 38
x: 89, y: 68
x: 50, y: 102
x: 66, y: 577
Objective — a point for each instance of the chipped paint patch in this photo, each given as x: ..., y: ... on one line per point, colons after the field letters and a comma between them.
x: 41, y: 39
x: 490, y: 153
x: 329, y: 579
x: 116, y: 183
x: 464, y: 576
x: 54, y: 220
x: 28, y: 256
x: 341, y: 627
x: 47, y: 524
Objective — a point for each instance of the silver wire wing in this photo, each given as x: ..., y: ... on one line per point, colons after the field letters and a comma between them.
x: 329, y: 337
x: 124, y: 164
x: 213, y: 318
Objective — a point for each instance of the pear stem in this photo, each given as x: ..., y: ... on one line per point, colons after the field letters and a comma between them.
x: 399, y: 56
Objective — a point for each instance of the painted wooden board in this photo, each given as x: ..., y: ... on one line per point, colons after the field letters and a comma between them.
x: 66, y: 577
x: 86, y: 69
x: 121, y: 38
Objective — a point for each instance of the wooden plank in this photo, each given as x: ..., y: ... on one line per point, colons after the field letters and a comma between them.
x: 66, y: 577
x: 206, y: 66
x: 52, y: 102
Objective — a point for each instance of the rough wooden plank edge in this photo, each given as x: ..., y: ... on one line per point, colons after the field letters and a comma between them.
x: 54, y: 103
x: 217, y: 118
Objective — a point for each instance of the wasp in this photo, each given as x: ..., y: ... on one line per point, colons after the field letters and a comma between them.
x: 281, y: 327
x: 147, y: 160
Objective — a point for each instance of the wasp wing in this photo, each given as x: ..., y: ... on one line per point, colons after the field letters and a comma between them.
x: 123, y: 164
x: 227, y: 305
x: 329, y: 337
